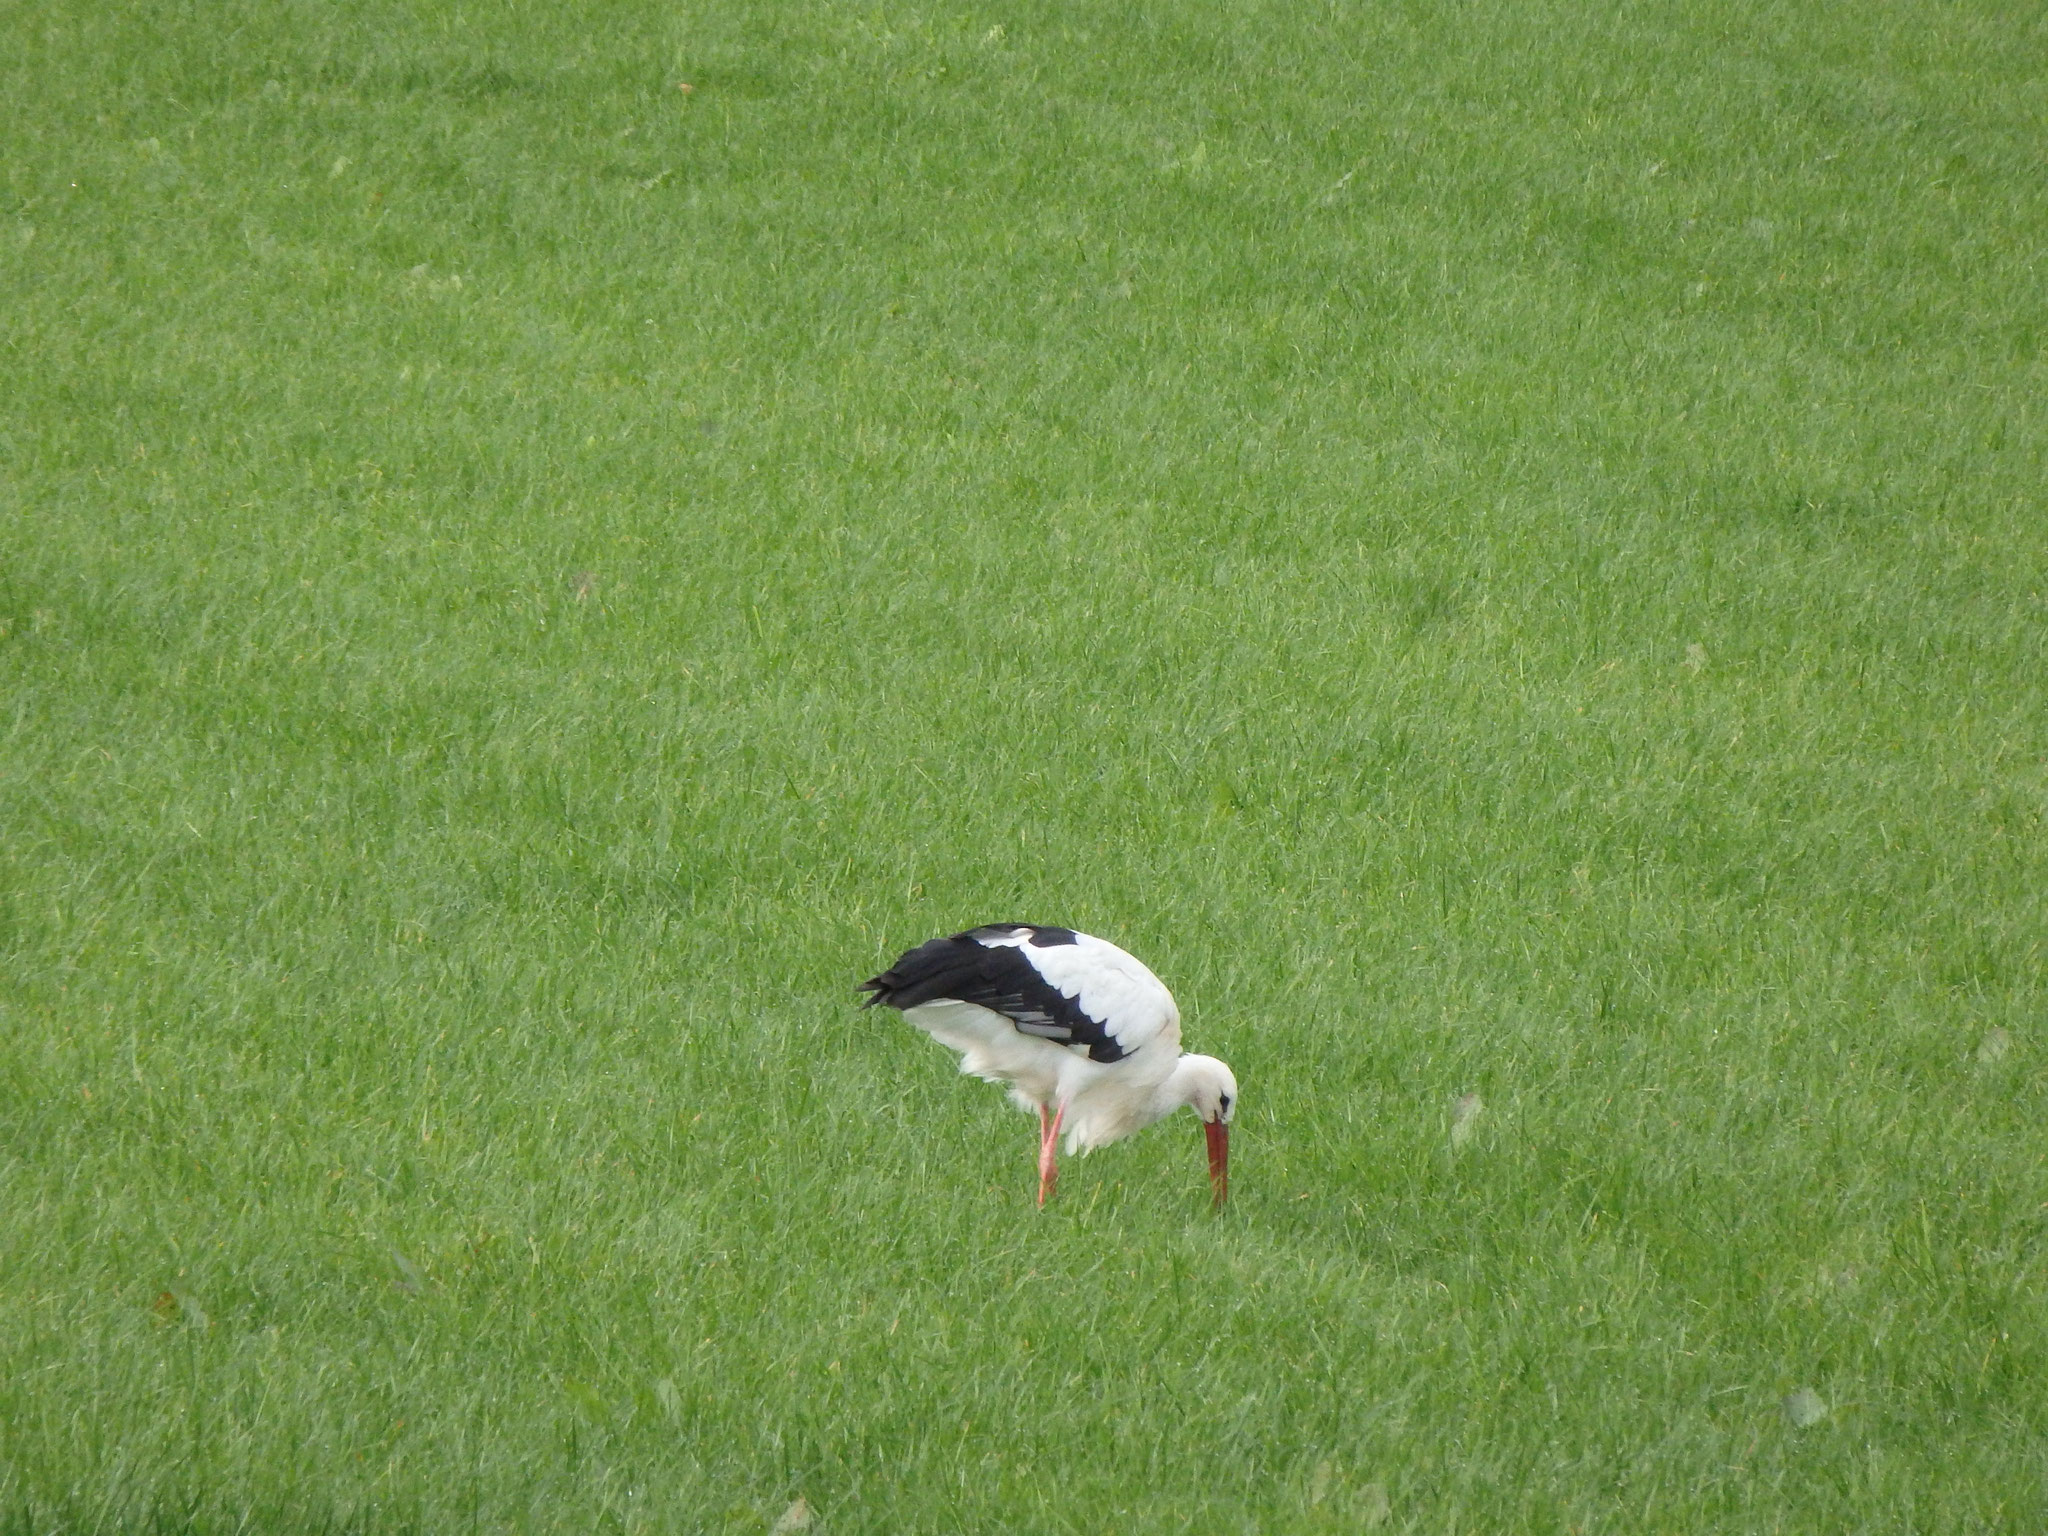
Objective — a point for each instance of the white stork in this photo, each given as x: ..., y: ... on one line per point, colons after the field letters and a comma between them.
x: 1080, y: 1031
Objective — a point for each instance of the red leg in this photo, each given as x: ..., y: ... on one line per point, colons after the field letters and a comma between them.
x: 1049, y: 1155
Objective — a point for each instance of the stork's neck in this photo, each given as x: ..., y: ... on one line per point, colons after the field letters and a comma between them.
x: 1178, y: 1089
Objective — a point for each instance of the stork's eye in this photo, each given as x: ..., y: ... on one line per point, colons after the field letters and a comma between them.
x: 1226, y: 1106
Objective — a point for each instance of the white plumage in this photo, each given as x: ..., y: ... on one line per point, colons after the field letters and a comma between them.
x: 1080, y: 1031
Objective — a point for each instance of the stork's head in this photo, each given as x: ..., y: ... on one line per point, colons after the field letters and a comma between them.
x: 1210, y: 1090
x: 1212, y: 1094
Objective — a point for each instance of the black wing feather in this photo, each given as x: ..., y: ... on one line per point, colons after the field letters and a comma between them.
x: 1001, y: 979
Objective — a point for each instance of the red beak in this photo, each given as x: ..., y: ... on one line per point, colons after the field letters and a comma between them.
x: 1219, y: 1158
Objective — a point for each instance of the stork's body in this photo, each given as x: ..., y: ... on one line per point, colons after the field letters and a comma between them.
x: 1079, y: 1031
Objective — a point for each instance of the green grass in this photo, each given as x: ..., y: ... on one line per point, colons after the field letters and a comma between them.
x: 1501, y: 548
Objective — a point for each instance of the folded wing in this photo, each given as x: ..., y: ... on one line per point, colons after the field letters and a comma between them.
x: 1065, y: 987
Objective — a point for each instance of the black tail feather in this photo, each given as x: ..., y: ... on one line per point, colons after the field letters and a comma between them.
x: 949, y: 967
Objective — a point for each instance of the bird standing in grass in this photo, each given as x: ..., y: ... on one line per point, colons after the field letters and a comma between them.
x: 1079, y: 1031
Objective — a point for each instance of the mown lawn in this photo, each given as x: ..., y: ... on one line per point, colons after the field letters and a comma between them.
x: 1501, y: 548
